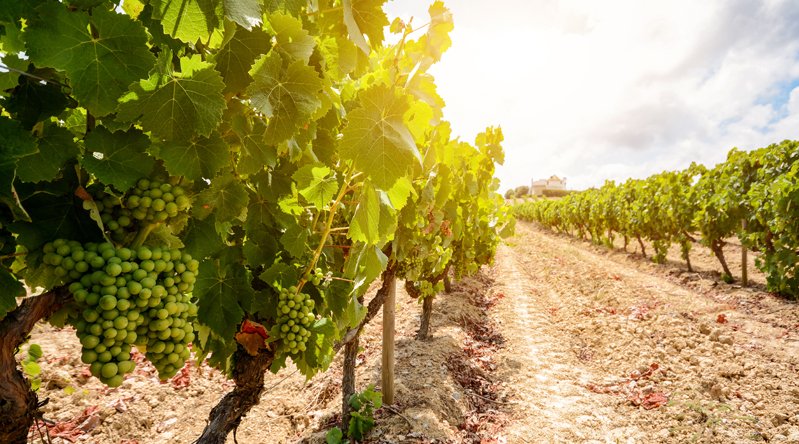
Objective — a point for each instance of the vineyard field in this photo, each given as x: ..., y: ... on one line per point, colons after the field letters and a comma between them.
x: 579, y: 343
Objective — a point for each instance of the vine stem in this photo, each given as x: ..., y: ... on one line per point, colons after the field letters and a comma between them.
x: 143, y: 234
x: 345, y: 188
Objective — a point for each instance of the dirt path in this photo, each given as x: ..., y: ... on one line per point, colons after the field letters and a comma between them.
x: 602, y: 347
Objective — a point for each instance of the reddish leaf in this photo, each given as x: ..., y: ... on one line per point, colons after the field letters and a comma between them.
x: 654, y: 400
x: 252, y: 342
x: 721, y: 318
x: 82, y: 194
x: 253, y: 327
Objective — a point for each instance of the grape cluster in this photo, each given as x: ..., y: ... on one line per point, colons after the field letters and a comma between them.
x: 295, y: 317
x: 128, y: 297
x: 147, y: 202
x: 317, y: 277
x: 154, y: 201
x: 116, y: 220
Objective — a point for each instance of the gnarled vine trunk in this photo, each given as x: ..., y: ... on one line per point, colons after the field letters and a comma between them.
x: 348, y: 381
x: 227, y: 414
x: 427, y: 313
x: 641, y: 243
x: 19, y: 406
x: 717, y: 248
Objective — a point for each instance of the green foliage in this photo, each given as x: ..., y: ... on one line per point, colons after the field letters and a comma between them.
x: 31, y: 367
x: 362, y: 418
x: 278, y: 144
x: 752, y: 196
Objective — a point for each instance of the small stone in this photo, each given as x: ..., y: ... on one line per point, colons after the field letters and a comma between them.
x: 726, y: 339
x: 166, y: 425
x: 779, y: 419
x: 704, y: 328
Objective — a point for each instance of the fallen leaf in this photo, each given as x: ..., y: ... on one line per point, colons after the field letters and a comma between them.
x: 721, y: 318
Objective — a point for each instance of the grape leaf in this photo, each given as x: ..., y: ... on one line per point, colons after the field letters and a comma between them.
x: 287, y: 96
x: 178, y: 105
x: 280, y: 275
x: 247, y: 13
x: 101, y: 62
x: 190, y: 20
x: 290, y: 38
x: 10, y: 289
x: 365, y: 264
x: 9, y: 78
x: 376, y: 138
x: 119, y: 159
x: 201, y: 239
x: 34, y: 101
x: 56, y: 147
x: 226, y: 197
x: 365, y: 17
x: 316, y: 184
x: 235, y: 59
x: 15, y: 143
x: 223, y: 294
x: 255, y: 153
x: 295, y: 240
x: 195, y: 159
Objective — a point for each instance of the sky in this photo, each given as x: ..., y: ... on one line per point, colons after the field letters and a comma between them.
x: 594, y: 90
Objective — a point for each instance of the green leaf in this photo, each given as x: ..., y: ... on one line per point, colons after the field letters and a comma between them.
x: 255, y: 153
x: 365, y: 264
x: 334, y: 436
x: 10, y: 289
x: 280, y: 275
x: 223, y: 294
x: 189, y: 20
x: 201, y: 239
x: 56, y: 147
x: 179, y: 105
x: 400, y: 192
x: 376, y: 138
x: 365, y: 17
x: 226, y: 197
x: 119, y: 159
x: 247, y: 13
x: 9, y: 78
x: 33, y: 101
x: 288, y: 97
x: 295, y: 241
x: 200, y: 157
x: 291, y: 38
x: 374, y: 220
x: 316, y: 184
x: 15, y: 143
x: 101, y: 61
x: 235, y: 59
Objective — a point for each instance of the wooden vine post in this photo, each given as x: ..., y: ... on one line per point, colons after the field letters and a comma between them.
x: 744, y: 260
x: 388, y: 342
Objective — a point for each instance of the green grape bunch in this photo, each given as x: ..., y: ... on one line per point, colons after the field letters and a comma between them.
x: 149, y: 202
x: 155, y: 201
x: 317, y: 277
x: 126, y: 297
x: 295, y: 318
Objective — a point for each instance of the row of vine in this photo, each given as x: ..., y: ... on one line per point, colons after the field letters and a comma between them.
x: 752, y: 195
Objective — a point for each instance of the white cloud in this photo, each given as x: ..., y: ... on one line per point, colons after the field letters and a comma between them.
x: 593, y: 90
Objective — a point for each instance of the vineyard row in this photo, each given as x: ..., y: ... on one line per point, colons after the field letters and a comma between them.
x: 752, y: 195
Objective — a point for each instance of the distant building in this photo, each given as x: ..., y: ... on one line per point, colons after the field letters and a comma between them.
x: 553, y: 183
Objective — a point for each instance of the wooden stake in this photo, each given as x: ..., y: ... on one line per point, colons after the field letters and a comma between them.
x: 744, y: 261
x: 388, y: 343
